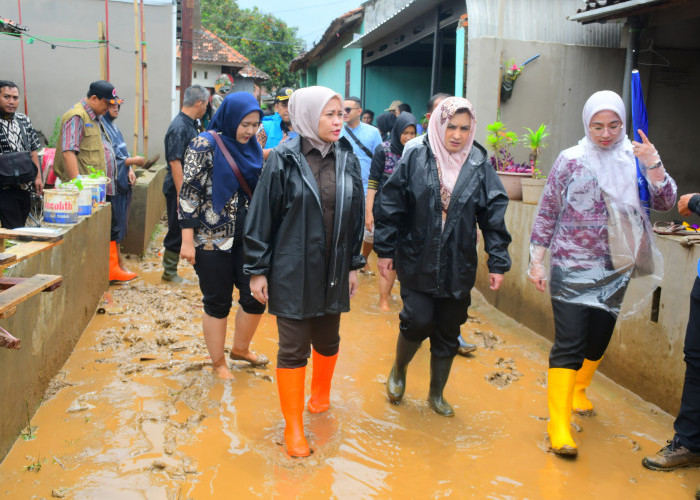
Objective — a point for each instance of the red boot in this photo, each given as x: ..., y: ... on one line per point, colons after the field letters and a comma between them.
x: 290, y: 383
x: 323, y: 367
x: 116, y: 274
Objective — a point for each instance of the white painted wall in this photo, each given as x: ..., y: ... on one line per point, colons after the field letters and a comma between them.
x: 58, y: 78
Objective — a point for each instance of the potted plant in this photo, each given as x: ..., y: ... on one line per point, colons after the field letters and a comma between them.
x: 532, y: 187
x: 499, y: 140
x: 510, y: 73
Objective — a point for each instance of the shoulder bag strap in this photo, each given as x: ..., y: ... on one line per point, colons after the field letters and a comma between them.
x: 232, y: 164
x: 362, y: 146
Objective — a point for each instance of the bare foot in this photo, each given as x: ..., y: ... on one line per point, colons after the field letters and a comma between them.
x: 384, y: 305
x: 252, y: 357
x: 221, y: 370
x: 7, y: 340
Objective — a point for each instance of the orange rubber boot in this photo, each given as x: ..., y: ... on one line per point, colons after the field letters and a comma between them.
x: 290, y: 383
x: 323, y: 367
x: 116, y: 274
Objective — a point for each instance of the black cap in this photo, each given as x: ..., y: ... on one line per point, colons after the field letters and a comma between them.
x: 104, y: 90
x: 284, y: 94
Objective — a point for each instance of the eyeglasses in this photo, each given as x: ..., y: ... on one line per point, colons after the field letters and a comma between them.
x: 347, y: 110
x: 600, y: 130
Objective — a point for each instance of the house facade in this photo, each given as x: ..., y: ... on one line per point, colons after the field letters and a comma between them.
x: 212, y: 57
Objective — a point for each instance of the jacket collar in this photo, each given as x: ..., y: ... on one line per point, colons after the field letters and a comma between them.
x: 476, y: 157
x: 292, y: 147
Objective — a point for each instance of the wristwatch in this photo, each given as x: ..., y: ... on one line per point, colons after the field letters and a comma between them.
x: 656, y: 165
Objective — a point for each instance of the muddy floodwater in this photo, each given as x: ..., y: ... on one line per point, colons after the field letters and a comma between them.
x: 136, y: 413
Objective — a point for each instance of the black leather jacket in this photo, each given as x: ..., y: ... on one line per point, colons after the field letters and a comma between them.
x: 408, y: 226
x: 284, y: 233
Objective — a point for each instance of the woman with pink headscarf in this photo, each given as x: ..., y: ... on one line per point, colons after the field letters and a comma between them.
x: 596, y: 227
x: 425, y: 229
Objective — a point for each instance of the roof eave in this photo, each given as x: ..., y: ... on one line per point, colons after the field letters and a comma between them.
x: 328, y: 41
x: 612, y: 12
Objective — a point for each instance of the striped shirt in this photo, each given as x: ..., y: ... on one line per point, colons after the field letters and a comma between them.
x: 72, y: 136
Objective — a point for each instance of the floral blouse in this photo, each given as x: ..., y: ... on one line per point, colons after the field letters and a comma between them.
x: 572, y: 218
x: 212, y: 230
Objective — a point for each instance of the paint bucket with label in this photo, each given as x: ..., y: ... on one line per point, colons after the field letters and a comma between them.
x: 102, y: 182
x: 94, y: 186
x: 85, y: 201
x: 61, y: 206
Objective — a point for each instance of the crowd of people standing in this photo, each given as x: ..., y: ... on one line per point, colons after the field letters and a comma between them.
x: 287, y: 208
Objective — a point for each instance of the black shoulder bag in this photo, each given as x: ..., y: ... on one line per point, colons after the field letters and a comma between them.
x: 17, y: 168
x: 362, y: 146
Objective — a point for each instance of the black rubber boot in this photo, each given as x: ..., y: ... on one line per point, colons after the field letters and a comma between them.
x: 439, y: 373
x: 396, y: 383
x: 170, y: 262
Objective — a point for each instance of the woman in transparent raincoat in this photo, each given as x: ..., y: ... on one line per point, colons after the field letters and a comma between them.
x: 596, y: 227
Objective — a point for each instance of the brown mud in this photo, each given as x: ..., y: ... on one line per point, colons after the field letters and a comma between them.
x: 137, y: 413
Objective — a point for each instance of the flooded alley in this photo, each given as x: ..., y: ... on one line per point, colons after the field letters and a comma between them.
x: 137, y: 413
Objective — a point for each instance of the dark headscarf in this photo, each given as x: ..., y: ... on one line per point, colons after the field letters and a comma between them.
x: 385, y: 122
x: 403, y: 121
x: 248, y: 156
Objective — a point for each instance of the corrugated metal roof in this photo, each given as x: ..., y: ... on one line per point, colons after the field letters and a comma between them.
x: 386, y: 16
x: 538, y: 20
x: 601, y: 10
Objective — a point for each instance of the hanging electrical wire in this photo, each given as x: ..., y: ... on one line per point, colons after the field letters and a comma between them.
x: 52, y: 41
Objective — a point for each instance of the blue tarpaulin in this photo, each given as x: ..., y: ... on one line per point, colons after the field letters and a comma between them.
x: 640, y: 121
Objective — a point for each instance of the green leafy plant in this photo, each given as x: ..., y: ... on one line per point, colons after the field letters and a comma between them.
x: 534, y: 141
x: 268, y: 41
x: 537, y: 174
x: 95, y: 173
x: 52, y: 141
x: 35, y: 466
x: 511, y: 71
x: 28, y: 432
x: 499, y: 140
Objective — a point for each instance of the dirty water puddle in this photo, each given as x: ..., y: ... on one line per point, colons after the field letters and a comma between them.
x: 136, y: 412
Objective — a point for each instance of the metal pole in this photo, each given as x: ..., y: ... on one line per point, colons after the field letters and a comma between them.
x: 107, y: 35
x: 24, y: 76
x: 144, y: 86
x: 435, y: 74
x: 137, y: 77
x: 103, y: 53
x: 186, y: 43
x: 460, y: 57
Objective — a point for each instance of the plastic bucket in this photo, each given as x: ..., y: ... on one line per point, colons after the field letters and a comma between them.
x: 85, y: 201
x: 61, y: 206
x: 102, y: 183
x: 94, y: 187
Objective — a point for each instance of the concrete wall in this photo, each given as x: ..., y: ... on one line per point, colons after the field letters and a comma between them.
x: 551, y: 89
x: 49, y: 324
x: 331, y: 69
x: 147, y: 208
x: 58, y: 78
x: 385, y: 84
x: 644, y: 356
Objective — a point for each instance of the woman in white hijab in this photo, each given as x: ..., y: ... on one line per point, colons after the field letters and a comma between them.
x: 303, y: 236
x: 593, y: 218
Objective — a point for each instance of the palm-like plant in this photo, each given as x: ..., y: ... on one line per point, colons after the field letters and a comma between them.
x: 534, y: 141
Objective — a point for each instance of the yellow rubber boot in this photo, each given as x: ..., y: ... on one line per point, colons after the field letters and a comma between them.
x: 584, y: 375
x: 560, y: 389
